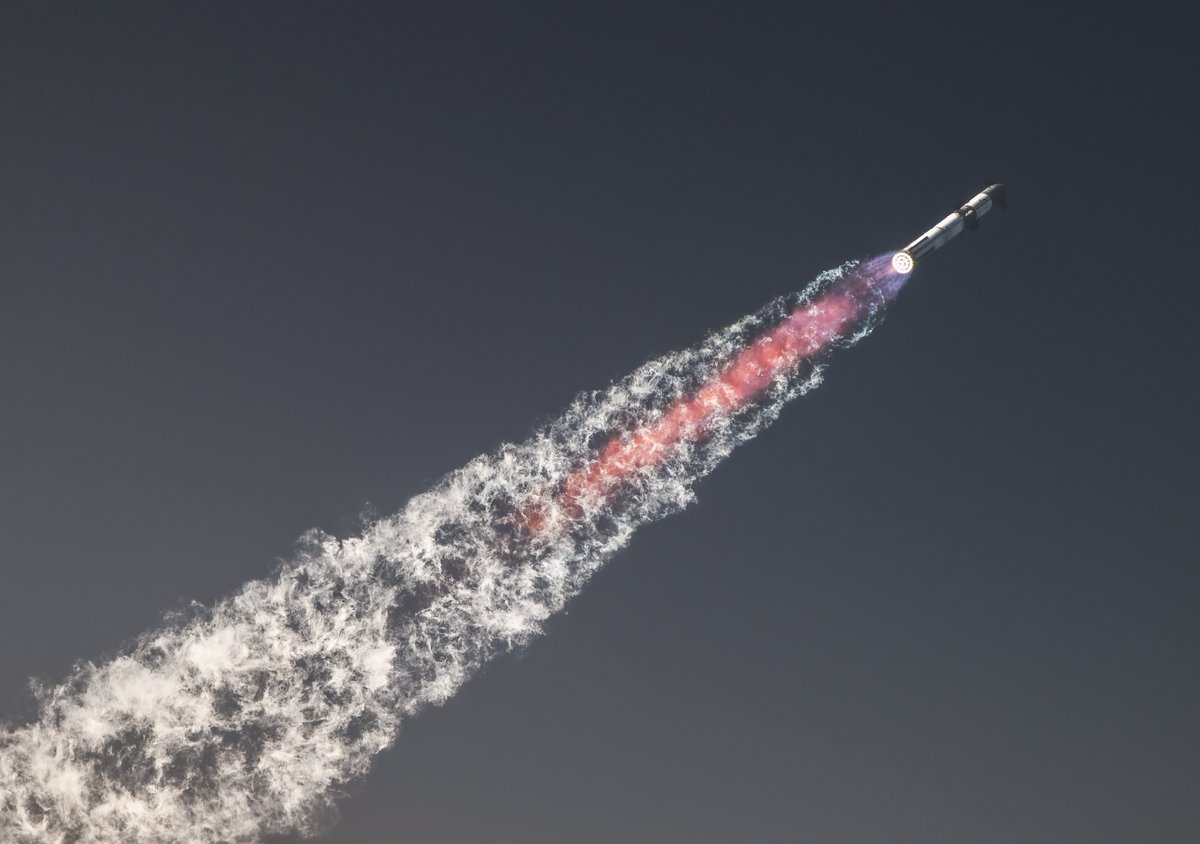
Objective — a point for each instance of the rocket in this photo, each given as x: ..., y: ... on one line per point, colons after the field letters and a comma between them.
x: 966, y: 217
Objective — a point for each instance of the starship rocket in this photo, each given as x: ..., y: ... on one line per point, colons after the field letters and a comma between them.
x: 966, y: 217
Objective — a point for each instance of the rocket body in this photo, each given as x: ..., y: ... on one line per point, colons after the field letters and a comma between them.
x: 966, y: 217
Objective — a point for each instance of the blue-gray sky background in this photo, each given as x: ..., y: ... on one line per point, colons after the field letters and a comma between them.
x: 264, y: 266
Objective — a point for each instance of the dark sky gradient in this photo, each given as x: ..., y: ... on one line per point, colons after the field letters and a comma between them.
x: 266, y: 265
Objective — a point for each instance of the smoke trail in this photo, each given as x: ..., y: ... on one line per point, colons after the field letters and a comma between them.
x: 244, y: 719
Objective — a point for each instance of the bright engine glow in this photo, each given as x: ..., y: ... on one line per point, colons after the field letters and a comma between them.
x: 902, y: 263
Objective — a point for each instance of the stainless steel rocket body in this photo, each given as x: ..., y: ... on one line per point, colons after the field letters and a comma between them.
x: 966, y: 217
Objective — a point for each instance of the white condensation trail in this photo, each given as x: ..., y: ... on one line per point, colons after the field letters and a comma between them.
x: 245, y: 718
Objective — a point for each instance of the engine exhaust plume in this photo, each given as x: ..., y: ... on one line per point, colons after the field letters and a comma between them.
x: 246, y: 718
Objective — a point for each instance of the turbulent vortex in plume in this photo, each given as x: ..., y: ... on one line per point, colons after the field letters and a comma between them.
x: 245, y: 719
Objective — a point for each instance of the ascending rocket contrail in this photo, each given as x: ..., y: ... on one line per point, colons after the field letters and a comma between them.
x: 245, y: 719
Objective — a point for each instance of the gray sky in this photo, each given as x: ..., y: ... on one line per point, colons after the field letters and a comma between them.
x: 266, y: 266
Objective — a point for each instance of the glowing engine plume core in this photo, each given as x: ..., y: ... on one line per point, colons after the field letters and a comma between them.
x: 811, y: 327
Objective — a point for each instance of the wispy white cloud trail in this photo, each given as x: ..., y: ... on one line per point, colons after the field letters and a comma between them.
x: 245, y: 719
